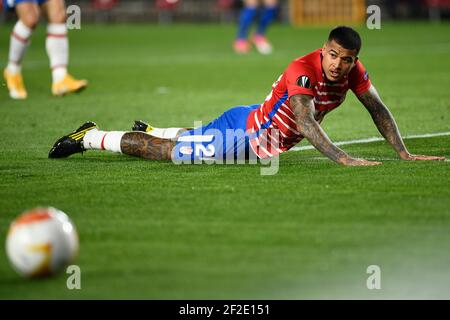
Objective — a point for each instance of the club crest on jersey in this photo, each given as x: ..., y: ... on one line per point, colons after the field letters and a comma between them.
x: 303, y: 81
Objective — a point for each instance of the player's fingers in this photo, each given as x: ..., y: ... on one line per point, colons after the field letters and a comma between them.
x: 428, y: 158
x: 368, y: 163
x: 436, y: 158
x: 374, y: 163
x: 362, y: 162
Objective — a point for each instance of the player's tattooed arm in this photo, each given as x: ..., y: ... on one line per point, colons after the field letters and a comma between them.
x: 386, y: 125
x: 303, y: 107
x: 383, y: 119
x: 146, y: 146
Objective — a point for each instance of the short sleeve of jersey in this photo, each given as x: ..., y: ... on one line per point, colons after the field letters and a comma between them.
x: 358, y: 80
x: 300, y: 78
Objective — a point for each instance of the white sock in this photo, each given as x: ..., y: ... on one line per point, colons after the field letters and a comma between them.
x: 18, y: 45
x: 103, y: 140
x: 165, y: 133
x: 58, y: 74
x: 57, y: 46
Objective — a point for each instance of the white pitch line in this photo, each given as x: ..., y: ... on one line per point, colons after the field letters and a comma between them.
x: 371, y: 159
x: 375, y: 139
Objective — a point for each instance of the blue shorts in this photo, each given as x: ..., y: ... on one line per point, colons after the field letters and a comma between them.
x: 224, y: 138
x: 10, y: 4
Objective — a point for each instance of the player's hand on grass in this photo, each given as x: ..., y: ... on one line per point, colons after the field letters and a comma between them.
x: 353, y: 162
x: 417, y: 157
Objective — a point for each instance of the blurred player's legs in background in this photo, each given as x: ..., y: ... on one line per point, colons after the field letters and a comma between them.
x: 268, y: 14
x: 248, y: 13
x: 57, y: 46
x: 28, y: 13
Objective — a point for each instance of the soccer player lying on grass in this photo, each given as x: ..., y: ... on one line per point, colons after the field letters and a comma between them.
x: 309, y: 88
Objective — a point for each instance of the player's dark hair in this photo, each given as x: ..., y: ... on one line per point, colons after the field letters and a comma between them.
x: 347, y: 37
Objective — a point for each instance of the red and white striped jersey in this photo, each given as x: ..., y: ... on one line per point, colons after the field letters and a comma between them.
x: 272, y: 126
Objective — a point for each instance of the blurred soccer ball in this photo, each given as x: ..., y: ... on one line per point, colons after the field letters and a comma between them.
x: 41, y: 242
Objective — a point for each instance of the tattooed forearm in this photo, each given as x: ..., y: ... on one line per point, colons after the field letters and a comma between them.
x: 303, y: 107
x: 383, y: 119
x: 143, y: 145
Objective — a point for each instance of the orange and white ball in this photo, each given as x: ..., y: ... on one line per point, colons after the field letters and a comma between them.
x: 41, y: 242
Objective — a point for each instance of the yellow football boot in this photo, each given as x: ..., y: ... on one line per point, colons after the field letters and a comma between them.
x: 15, y: 85
x: 68, y: 85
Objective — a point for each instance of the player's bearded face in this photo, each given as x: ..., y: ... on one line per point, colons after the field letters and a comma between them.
x: 337, y: 61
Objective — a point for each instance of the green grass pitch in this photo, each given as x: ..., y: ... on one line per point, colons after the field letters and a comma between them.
x: 155, y: 230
